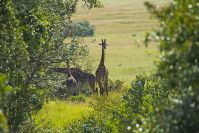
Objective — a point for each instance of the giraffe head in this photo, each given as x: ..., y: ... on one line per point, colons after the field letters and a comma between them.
x: 103, y: 43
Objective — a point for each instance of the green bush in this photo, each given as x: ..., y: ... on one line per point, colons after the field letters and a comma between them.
x: 98, y: 120
x: 21, y: 105
x: 143, y: 99
x: 30, y: 126
x: 179, y: 66
x: 115, y: 85
x: 80, y: 29
x: 59, y: 92
x: 79, y: 98
x: 130, y: 113
x: 89, y: 125
x: 4, y: 92
x: 3, y: 124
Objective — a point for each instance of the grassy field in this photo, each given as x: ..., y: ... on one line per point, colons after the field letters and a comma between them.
x: 123, y: 23
x: 60, y: 113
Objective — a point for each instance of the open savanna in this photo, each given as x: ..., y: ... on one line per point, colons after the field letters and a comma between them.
x: 124, y: 24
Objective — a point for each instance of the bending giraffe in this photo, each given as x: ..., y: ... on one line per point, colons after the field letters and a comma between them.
x: 102, y: 72
x: 71, y: 82
x: 81, y: 76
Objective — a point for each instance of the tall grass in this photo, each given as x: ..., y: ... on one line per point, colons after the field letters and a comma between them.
x: 60, y: 113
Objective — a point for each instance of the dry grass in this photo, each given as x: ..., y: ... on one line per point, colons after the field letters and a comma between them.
x: 124, y: 24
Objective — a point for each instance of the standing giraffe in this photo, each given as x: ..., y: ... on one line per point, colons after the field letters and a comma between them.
x: 102, y: 72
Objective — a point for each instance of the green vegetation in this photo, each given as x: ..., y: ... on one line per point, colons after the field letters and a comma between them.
x: 4, y: 91
x: 179, y: 45
x: 80, y: 29
x: 164, y: 100
x: 79, y: 98
x: 60, y: 114
x: 129, y: 113
x: 126, y: 57
x: 31, y: 40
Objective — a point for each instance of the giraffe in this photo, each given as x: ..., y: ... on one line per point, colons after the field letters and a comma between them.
x: 71, y: 82
x: 102, y: 72
x: 84, y: 77
x: 81, y: 76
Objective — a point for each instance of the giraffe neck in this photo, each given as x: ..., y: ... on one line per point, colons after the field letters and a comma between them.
x: 68, y: 69
x: 102, y: 57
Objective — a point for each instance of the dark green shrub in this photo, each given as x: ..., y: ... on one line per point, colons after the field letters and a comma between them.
x: 130, y: 113
x: 115, y: 85
x: 3, y: 124
x: 89, y: 125
x: 59, y: 92
x: 21, y: 105
x: 144, y: 98
x: 85, y: 89
x: 30, y: 126
x: 4, y: 91
x: 80, y: 29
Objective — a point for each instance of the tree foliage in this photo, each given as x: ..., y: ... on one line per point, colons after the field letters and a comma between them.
x: 179, y: 45
x: 30, y: 40
x: 80, y: 29
x: 4, y: 91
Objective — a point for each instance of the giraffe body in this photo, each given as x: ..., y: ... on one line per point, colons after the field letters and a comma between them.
x: 80, y: 76
x: 102, y: 72
x: 102, y: 79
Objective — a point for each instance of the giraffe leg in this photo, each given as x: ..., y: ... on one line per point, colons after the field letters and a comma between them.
x: 99, y: 84
x: 92, y: 86
x: 101, y: 89
x: 103, y: 86
x: 106, y: 86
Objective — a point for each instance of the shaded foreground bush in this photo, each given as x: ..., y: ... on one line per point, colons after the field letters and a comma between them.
x: 4, y: 91
x: 115, y: 85
x: 130, y: 113
x: 89, y: 125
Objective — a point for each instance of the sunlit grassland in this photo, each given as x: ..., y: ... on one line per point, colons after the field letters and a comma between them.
x: 124, y: 24
x: 60, y: 114
x: 126, y: 61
